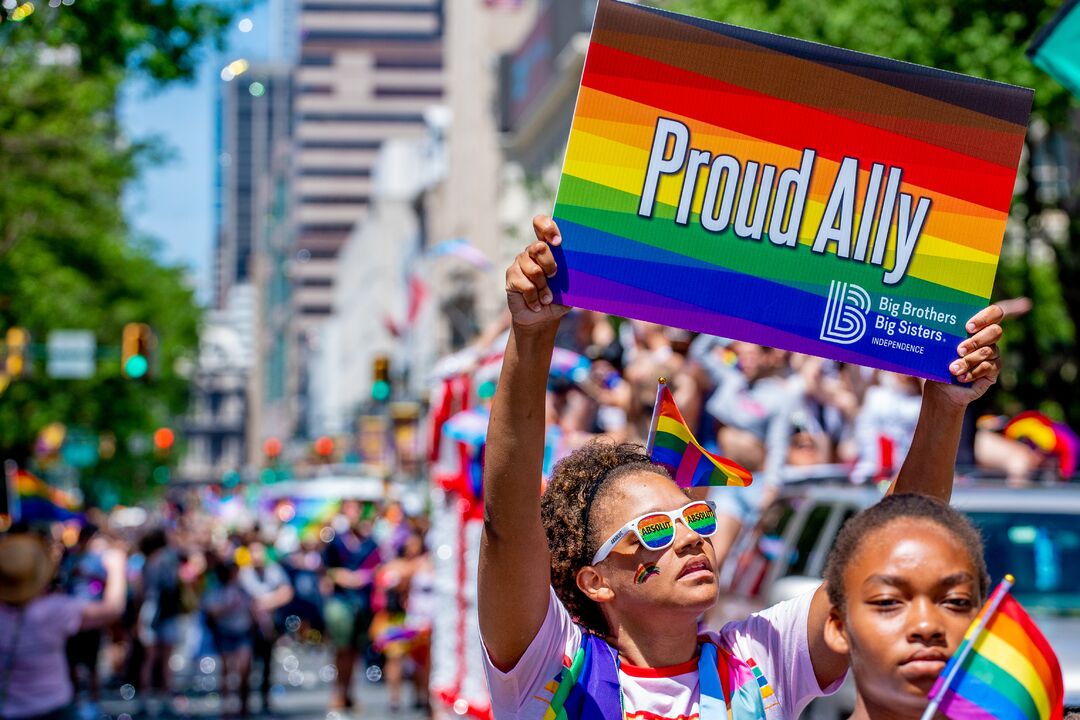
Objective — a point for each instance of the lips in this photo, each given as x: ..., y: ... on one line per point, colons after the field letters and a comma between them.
x: 927, y: 656
x: 924, y: 665
x: 696, y: 565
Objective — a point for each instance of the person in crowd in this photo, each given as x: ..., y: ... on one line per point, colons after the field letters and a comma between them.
x: 884, y: 426
x: 83, y: 575
x: 399, y: 631
x: 589, y: 596
x: 266, y: 583
x: 351, y: 559
x: 905, y: 580
x: 231, y: 614
x: 36, y: 625
x: 303, y: 564
x: 159, y: 614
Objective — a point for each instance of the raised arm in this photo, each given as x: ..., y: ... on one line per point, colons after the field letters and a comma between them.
x: 111, y: 605
x: 929, y: 466
x: 515, y: 575
x: 930, y: 463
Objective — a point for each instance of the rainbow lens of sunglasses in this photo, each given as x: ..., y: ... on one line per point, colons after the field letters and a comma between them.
x: 700, y: 518
x: 655, y: 531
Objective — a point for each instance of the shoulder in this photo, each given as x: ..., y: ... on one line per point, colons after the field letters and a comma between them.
x: 775, y: 646
x: 55, y: 610
x: 526, y: 690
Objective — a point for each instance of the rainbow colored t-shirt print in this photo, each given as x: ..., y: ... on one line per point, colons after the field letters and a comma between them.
x: 767, y: 696
x: 778, y: 191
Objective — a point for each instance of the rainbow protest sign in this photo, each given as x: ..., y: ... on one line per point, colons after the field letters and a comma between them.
x: 782, y: 192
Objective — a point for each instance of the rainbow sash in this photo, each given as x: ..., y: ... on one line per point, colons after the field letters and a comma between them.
x: 589, y: 688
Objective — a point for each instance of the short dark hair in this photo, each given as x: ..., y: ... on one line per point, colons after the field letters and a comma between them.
x: 897, y: 507
x: 576, y: 489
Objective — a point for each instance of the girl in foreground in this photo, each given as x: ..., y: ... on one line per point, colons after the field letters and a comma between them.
x: 592, y: 578
x: 905, y: 580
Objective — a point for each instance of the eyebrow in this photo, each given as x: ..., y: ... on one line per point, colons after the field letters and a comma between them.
x: 956, y: 578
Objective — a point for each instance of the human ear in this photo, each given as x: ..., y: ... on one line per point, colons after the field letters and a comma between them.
x: 594, y: 585
x: 836, y: 633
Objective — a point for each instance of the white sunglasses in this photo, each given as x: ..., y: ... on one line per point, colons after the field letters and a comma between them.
x: 656, y: 530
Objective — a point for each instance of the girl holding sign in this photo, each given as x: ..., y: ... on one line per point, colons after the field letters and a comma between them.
x: 589, y: 596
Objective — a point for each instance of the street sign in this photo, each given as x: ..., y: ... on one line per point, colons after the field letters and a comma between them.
x: 72, y: 354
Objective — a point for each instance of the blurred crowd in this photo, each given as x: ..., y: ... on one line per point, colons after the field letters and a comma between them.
x: 210, y: 594
x: 782, y: 415
x: 182, y: 604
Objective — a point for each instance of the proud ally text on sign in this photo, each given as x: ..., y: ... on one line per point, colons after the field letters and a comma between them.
x: 725, y: 176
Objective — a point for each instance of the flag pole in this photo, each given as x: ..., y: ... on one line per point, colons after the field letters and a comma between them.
x: 13, y: 504
x: 991, y: 608
x: 660, y: 384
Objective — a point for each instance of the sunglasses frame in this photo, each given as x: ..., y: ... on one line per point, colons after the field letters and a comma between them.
x: 631, y: 527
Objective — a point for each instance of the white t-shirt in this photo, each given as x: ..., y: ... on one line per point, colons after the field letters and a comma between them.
x: 773, y: 641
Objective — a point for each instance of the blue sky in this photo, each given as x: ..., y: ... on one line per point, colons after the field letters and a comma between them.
x: 174, y: 202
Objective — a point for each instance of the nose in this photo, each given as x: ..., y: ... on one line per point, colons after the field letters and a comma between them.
x: 925, y: 623
x: 685, y: 538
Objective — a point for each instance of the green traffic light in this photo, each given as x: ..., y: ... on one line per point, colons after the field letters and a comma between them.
x: 136, y: 366
x: 380, y: 390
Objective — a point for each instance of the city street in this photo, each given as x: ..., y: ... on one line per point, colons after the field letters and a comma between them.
x: 302, y: 680
x: 329, y: 325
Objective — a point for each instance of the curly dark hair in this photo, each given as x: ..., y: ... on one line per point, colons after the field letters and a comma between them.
x: 570, y: 508
x: 896, y: 507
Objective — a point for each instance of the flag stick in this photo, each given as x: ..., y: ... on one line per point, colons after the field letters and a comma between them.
x: 660, y: 383
x: 13, y: 503
x: 998, y: 596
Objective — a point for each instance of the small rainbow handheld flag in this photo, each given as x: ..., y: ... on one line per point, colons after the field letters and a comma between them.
x: 1004, y: 669
x: 672, y: 445
x: 37, y: 501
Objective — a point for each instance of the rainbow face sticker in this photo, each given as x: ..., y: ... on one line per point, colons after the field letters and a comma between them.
x: 645, y: 572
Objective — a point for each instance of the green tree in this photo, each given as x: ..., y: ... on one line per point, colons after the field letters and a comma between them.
x: 67, y: 259
x: 985, y: 38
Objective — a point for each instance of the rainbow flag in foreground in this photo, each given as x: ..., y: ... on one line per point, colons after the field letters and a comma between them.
x: 1004, y: 669
x: 672, y: 445
x: 37, y: 501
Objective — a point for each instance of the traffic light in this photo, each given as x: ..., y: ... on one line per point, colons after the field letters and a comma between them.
x: 16, y: 359
x: 136, y: 346
x: 380, y: 378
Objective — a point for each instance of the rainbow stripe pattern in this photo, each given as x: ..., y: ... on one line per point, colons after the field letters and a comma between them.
x: 763, y: 97
x: 1004, y: 669
x: 37, y: 501
x: 588, y: 688
x: 763, y: 683
x: 672, y: 445
x: 645, y: 572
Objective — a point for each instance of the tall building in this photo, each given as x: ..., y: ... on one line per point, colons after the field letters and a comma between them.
x: 215, y: 422
x: 254, y: 132
x: 254, y: 116
x: 367, y: 71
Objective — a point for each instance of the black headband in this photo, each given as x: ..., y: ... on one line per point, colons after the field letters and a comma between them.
x: 588, y: 509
